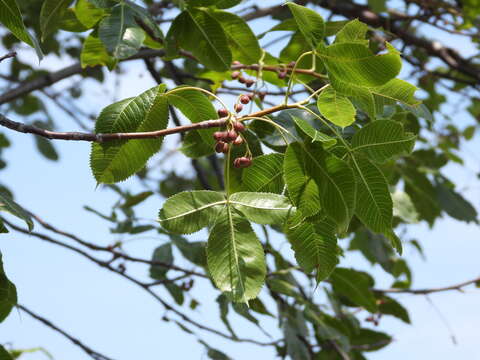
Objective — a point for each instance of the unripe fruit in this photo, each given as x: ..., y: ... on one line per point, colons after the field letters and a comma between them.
x: 231, y: 135
x: 222, y: 113
x: 244, y: 99
x: 242, y: 162
x: 238, y: 140
x: 242, y: 80
x: 219, y: 135
x: 219, y: 146
x: 236, y: 74
x: 238, y: 126
x: 249, y: 83
x: 238, y: 107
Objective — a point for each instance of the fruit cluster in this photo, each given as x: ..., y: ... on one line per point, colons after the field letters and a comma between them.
x: 231, y: 135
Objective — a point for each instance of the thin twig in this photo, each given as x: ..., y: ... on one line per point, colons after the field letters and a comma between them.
x: 458, y: 287
x: 89, y: 351
x: 7, y: 56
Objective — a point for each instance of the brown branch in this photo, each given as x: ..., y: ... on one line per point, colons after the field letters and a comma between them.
x: 89, y: 351
x: 8, y: 55
x: 144, y: 286
x: 458, y: 287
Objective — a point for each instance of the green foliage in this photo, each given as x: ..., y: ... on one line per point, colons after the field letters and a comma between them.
x: 331, y: 172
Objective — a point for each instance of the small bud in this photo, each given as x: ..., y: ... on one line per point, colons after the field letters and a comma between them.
x: 231, y: 135
x: 236, y: 75
x: 249, y: 83
x: 238, y: 126
x: 291, y: 63
x: 244, y: 99
x: 282, y: 75
x: 242, y: 80
x: 236, y: 62
x: 238, y: 107
x: 261, y: 95
x: 238, y: 140
x: 222, y: 113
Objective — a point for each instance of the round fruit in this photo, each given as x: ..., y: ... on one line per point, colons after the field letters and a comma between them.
x: 249, y: 83
x: 244, y: 99
x: 238, y: 126
x: 238, y: 107
x: 219, y: 146
x: 238, y: 140
x: 231, y: 135
x: 242, y: 80
x: 219, y: 135
x: 236, y: 74
x: 222, y: 113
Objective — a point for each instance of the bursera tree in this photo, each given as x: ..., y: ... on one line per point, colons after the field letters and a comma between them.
x: 324, y: 145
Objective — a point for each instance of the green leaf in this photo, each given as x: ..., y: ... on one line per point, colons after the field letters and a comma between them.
x: 313, y: 133
x: 197, y: 31
x: 392, y: 307
x: 354, y: 63
x: 94, y: 53
x: 302, y: 189
x: 46, y: 148
x: 119, y: 33
x: 353, y: 31
x: 190, y: 211
x: 4, y: 354
x: 374, y: 205
x: 403, y: 207
x: 381, y: 140
x: 143, y: 15
x: 315, y: 246
x: 309, y: 22
x: 194, y: 146
x: 354, y: 285
x: 235, y: 257
x: 88, y: 14
x: 194, y: 251
x: 294, y: 329
x: 336, y: 107
x: 262, y: 208
x: 162, y: 254
x: 70, y: 22
x: 10, y: 206
x: 336, y: 182
x: 241, y: 39
x: 196, y: 107
x: 117, y: 160
x: 455, y: 204
x: 265, y: 174
x: 51, y: 14
x: 8, y: 293
x: 225, y: 4
x: 11, y: 17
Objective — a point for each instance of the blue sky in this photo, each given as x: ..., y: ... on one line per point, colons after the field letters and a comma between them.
x: 120, y: 320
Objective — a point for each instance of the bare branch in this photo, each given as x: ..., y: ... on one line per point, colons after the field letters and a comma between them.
x: 8, y: 55
x: 89, y: 351
x: 458, y: 287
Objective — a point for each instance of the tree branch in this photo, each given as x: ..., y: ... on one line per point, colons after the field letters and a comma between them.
x: 8, y: 55
x: 89, y: 351
x: 458, y: 287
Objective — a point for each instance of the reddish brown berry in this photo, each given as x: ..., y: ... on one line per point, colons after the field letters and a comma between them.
x: 242, y: 162
x: 238, y: 140
x: 236, y: 62
x: 242, y: 80
x: 236, y: 74
x: 219, y: 135
x: 238, y: 126
x: 249, y: 83
x: 291, y: 63
x: 219, y: 146
x: 261, y: 95
x: 238, y: 107
x: 244, y: 99
x: 251, y: 96
x: 231, y: 135
x: 222, y: 113
x: 282, y: 75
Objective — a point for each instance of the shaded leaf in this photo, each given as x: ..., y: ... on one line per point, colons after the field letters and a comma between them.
x: 309, y: 22
x: 162, y: 254
x: 51, y: 14
x: 8, y: 294
x: 336, y: 107
x: 265, y: 174
x: 10, y: 206
x: 354, y: 285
